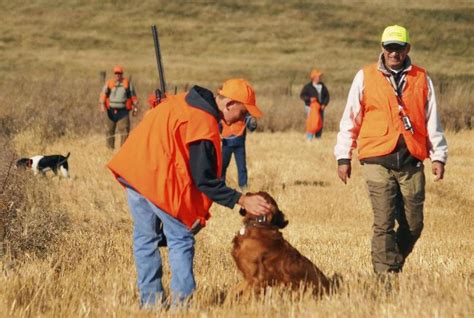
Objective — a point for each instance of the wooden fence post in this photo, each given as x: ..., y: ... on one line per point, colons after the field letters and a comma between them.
x: 102, y: 76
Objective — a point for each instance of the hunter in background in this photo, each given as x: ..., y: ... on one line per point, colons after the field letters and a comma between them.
x: 118, y: 99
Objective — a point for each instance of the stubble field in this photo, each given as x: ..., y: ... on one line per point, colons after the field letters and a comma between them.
x: 90, y: 270
x: 67, y: 248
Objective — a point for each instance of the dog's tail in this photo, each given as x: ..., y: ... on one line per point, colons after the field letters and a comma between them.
x: 63, y: 161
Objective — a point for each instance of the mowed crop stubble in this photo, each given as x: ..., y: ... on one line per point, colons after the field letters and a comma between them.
x: 68, y: 242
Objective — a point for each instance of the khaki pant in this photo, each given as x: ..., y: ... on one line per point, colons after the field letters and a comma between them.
x: 2, y: 236
x: 395, y: 196
x: 122, y: 127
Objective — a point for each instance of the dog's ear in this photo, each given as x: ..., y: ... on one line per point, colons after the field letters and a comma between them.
x: 278, y: 220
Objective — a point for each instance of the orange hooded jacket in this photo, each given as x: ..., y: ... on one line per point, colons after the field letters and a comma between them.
x: 155, y: 158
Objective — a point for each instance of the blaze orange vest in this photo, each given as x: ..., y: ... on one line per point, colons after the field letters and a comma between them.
x: 382, y: 124
x: 314, y: 122
x: 111, y: 85
x: 236, y: 129
x: 155, y: 158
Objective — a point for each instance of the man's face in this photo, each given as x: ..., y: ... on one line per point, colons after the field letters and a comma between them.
x: 233, y: 112
x: 395, y: 55
x: 118, y: 76
x: 316, y: 79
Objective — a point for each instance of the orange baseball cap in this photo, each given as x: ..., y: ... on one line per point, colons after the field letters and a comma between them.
x: 240, y: 90
x: 118, y: 69
x: 315, y: 72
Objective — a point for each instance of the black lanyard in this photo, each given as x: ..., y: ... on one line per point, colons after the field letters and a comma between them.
x: 397, y: 90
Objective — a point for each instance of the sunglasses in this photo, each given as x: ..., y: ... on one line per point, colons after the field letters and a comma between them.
x: 118, y: 73
x: 394, y: 47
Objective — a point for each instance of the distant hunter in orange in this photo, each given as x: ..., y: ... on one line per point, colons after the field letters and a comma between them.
x: 118, y: 99
x: 233, y: 142
x: 316, y: 98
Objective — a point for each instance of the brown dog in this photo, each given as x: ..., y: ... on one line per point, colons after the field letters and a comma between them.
x: 265, y: 258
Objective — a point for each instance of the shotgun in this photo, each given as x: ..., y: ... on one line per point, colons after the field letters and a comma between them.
x: 161, y: 92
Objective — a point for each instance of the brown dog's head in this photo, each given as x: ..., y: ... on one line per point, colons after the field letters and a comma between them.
x: 275, y: 217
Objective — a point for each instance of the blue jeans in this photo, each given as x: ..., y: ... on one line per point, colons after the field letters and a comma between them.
x: 319, y: 133
x: 239, y: 154
x: 147, y: 219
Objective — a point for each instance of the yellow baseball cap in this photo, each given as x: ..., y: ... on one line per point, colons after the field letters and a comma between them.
x: 240, y: 90
x: 395, y: 34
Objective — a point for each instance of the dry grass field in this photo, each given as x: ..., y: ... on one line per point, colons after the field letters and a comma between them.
x: 67, y: 249
x: 89, y: 270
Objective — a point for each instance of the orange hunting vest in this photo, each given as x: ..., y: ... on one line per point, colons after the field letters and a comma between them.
x: 154, y: 160
x: 314, y: 122
x: 111, y: 85
x: 237, y: 129
x: 381, y: 123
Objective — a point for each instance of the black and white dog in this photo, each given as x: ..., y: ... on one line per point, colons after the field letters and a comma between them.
x: 42, y: 164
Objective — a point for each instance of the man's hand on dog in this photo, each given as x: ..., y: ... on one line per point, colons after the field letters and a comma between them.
x: 255, y: 204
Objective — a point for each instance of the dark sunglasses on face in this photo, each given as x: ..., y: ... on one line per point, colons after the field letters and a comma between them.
x: 394, y: 47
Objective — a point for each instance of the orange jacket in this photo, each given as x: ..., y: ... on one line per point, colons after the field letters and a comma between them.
x: 110, y: 86
x: 155, y: 158
x: 314, y: 122
x: 382, y: 124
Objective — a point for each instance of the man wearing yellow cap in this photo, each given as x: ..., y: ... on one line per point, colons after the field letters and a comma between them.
x: 118, y: 99
x: 391, y: 118
x: 171, y: 169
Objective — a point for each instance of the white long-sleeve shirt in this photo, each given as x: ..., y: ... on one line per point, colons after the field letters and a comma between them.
x: 351, y: 121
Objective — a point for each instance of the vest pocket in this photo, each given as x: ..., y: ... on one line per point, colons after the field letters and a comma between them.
x: 374, y: 124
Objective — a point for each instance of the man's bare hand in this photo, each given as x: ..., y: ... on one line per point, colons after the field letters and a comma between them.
x: 344, y: 172
x: 102, y: 107
x: 437, y: 168
x: 255, y: 204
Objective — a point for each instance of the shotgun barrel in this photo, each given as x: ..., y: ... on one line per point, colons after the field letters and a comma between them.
x: 162, y: 92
